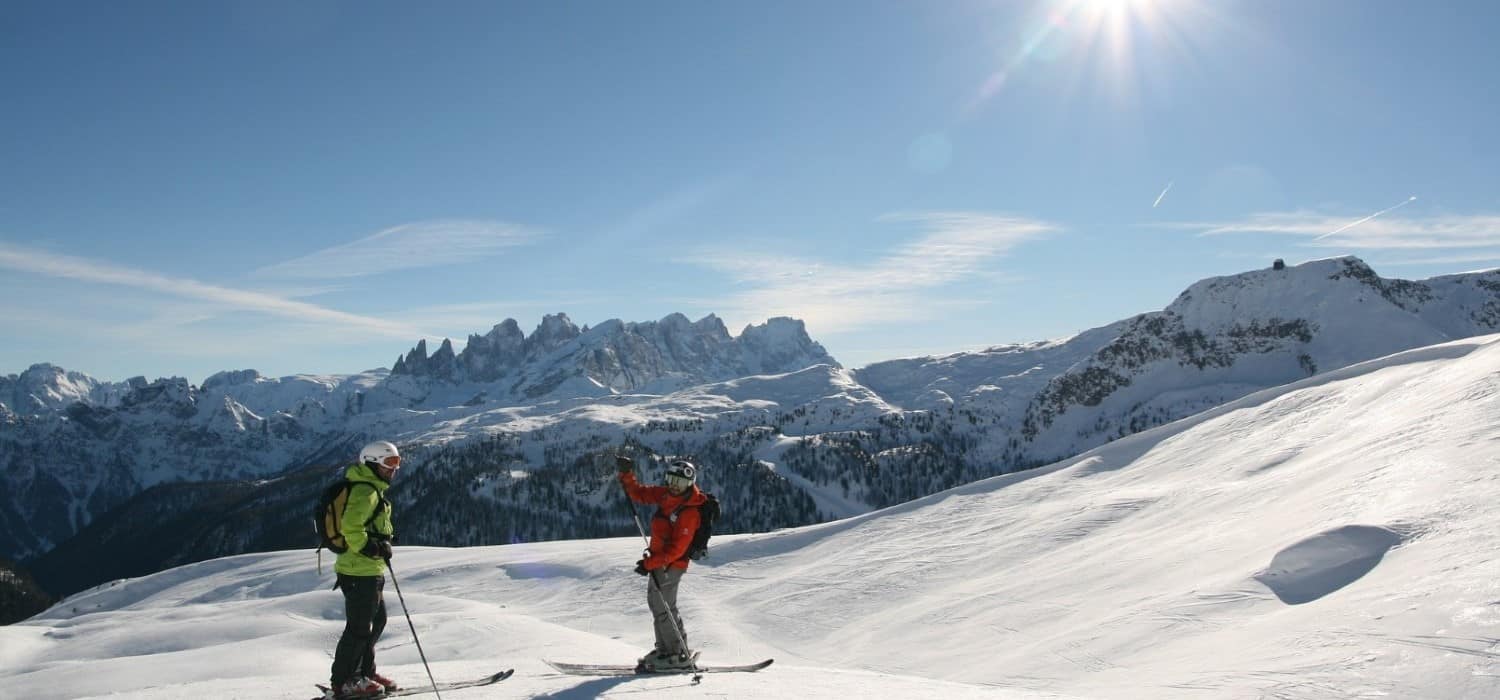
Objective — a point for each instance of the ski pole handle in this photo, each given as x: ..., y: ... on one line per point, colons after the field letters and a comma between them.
x: 627, y: 465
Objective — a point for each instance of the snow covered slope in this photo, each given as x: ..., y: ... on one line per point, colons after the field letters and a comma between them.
x: 1329, y: 538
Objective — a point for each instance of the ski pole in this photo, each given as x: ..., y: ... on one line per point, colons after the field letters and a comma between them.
x: 413, y: 627
x: 655, y: 586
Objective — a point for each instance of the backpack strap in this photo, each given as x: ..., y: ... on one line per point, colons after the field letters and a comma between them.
x: 382, y: 505
x: 662, y: 512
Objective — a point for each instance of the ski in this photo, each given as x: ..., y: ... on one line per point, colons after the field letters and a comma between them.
x: 452, y: 685
x: 622, y: 670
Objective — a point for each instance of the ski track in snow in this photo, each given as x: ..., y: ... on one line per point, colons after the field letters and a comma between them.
x: 1331, y: 538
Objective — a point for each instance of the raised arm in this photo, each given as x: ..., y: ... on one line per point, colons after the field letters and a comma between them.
x: 646, y: 495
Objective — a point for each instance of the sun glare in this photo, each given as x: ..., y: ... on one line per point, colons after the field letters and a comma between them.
x: 1111, y: 45
x: 1108, y: 7
x: 1119, y: 19
x: 1129, y: 34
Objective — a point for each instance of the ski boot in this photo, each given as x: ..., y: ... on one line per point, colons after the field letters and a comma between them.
x: 360, y: 687
x: 662, y: 662
x: 388, y: 684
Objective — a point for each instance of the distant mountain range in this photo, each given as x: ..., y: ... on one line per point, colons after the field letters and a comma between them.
x: 507, y: 438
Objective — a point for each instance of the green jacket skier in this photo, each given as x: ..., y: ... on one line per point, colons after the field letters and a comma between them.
x: 366, y: 526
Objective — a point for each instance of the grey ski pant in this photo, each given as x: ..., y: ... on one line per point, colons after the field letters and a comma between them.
x: 661, y: 597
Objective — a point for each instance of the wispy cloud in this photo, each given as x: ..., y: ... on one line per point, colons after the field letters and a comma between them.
x: 832, y: 297
x: 1334, y: 231
x: 422, y: 244
x: 671, y: 207
x: 84, y: 270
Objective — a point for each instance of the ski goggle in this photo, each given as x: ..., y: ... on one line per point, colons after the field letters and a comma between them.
x: 391, y: 462
x: 681, y: 474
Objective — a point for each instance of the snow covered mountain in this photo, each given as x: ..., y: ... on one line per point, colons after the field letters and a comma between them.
x: 66, y: 467
x: 75, y: 448
x: 1220, y: 339
x: 1228, y: 336
x: 1329, y: 538
x: 45, y: 387
x: 509, y: 433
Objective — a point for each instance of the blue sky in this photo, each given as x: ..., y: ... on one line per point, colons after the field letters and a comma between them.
x: 313, y: 186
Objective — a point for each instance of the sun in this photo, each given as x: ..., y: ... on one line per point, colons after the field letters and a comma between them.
x: 1116, y: 46
x: 1108, y: 7
x: 1123, y: 36
x: 1112, y: 9
x: 1118, y: 19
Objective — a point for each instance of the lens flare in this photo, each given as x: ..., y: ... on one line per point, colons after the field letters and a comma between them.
x: 1108, y: 44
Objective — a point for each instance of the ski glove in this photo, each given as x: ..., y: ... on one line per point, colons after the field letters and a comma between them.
x: 624, y: 464
x: 377, y: 549
x: 640, y: 568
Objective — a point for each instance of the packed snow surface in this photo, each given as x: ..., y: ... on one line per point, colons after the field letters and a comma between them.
x: 1331, y: 538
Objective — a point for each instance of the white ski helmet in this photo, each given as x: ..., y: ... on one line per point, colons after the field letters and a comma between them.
x: 380, y: 455
x: 681, y: 473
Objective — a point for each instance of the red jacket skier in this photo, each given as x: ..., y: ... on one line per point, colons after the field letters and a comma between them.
x: 672, y: 529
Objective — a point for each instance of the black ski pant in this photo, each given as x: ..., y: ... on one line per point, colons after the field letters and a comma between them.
x: 364, y: 613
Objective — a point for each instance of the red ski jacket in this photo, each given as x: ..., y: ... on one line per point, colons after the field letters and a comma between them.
x: 672, y: 529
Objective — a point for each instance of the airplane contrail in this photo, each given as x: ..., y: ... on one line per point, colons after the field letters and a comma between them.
x: 1348, y: 226
x: 1163, y: 194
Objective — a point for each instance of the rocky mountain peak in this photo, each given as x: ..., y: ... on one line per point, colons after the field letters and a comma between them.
x: 486, y: 357
x: 713, y: 325
x: 172, y: 396
x: 554, y: 331
x: 616, y: 356
x: 221, y: 380
x: 781, y: 344
x: 46, y: 387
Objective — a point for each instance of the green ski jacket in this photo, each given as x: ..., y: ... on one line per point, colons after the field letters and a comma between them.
x: 366, y: 498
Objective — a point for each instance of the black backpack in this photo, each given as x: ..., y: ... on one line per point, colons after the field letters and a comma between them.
x: 330, y: 515
x: 708, y: 514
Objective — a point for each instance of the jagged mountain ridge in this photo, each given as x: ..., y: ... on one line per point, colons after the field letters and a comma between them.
x: 616, y: 356
x: 850, y: 440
